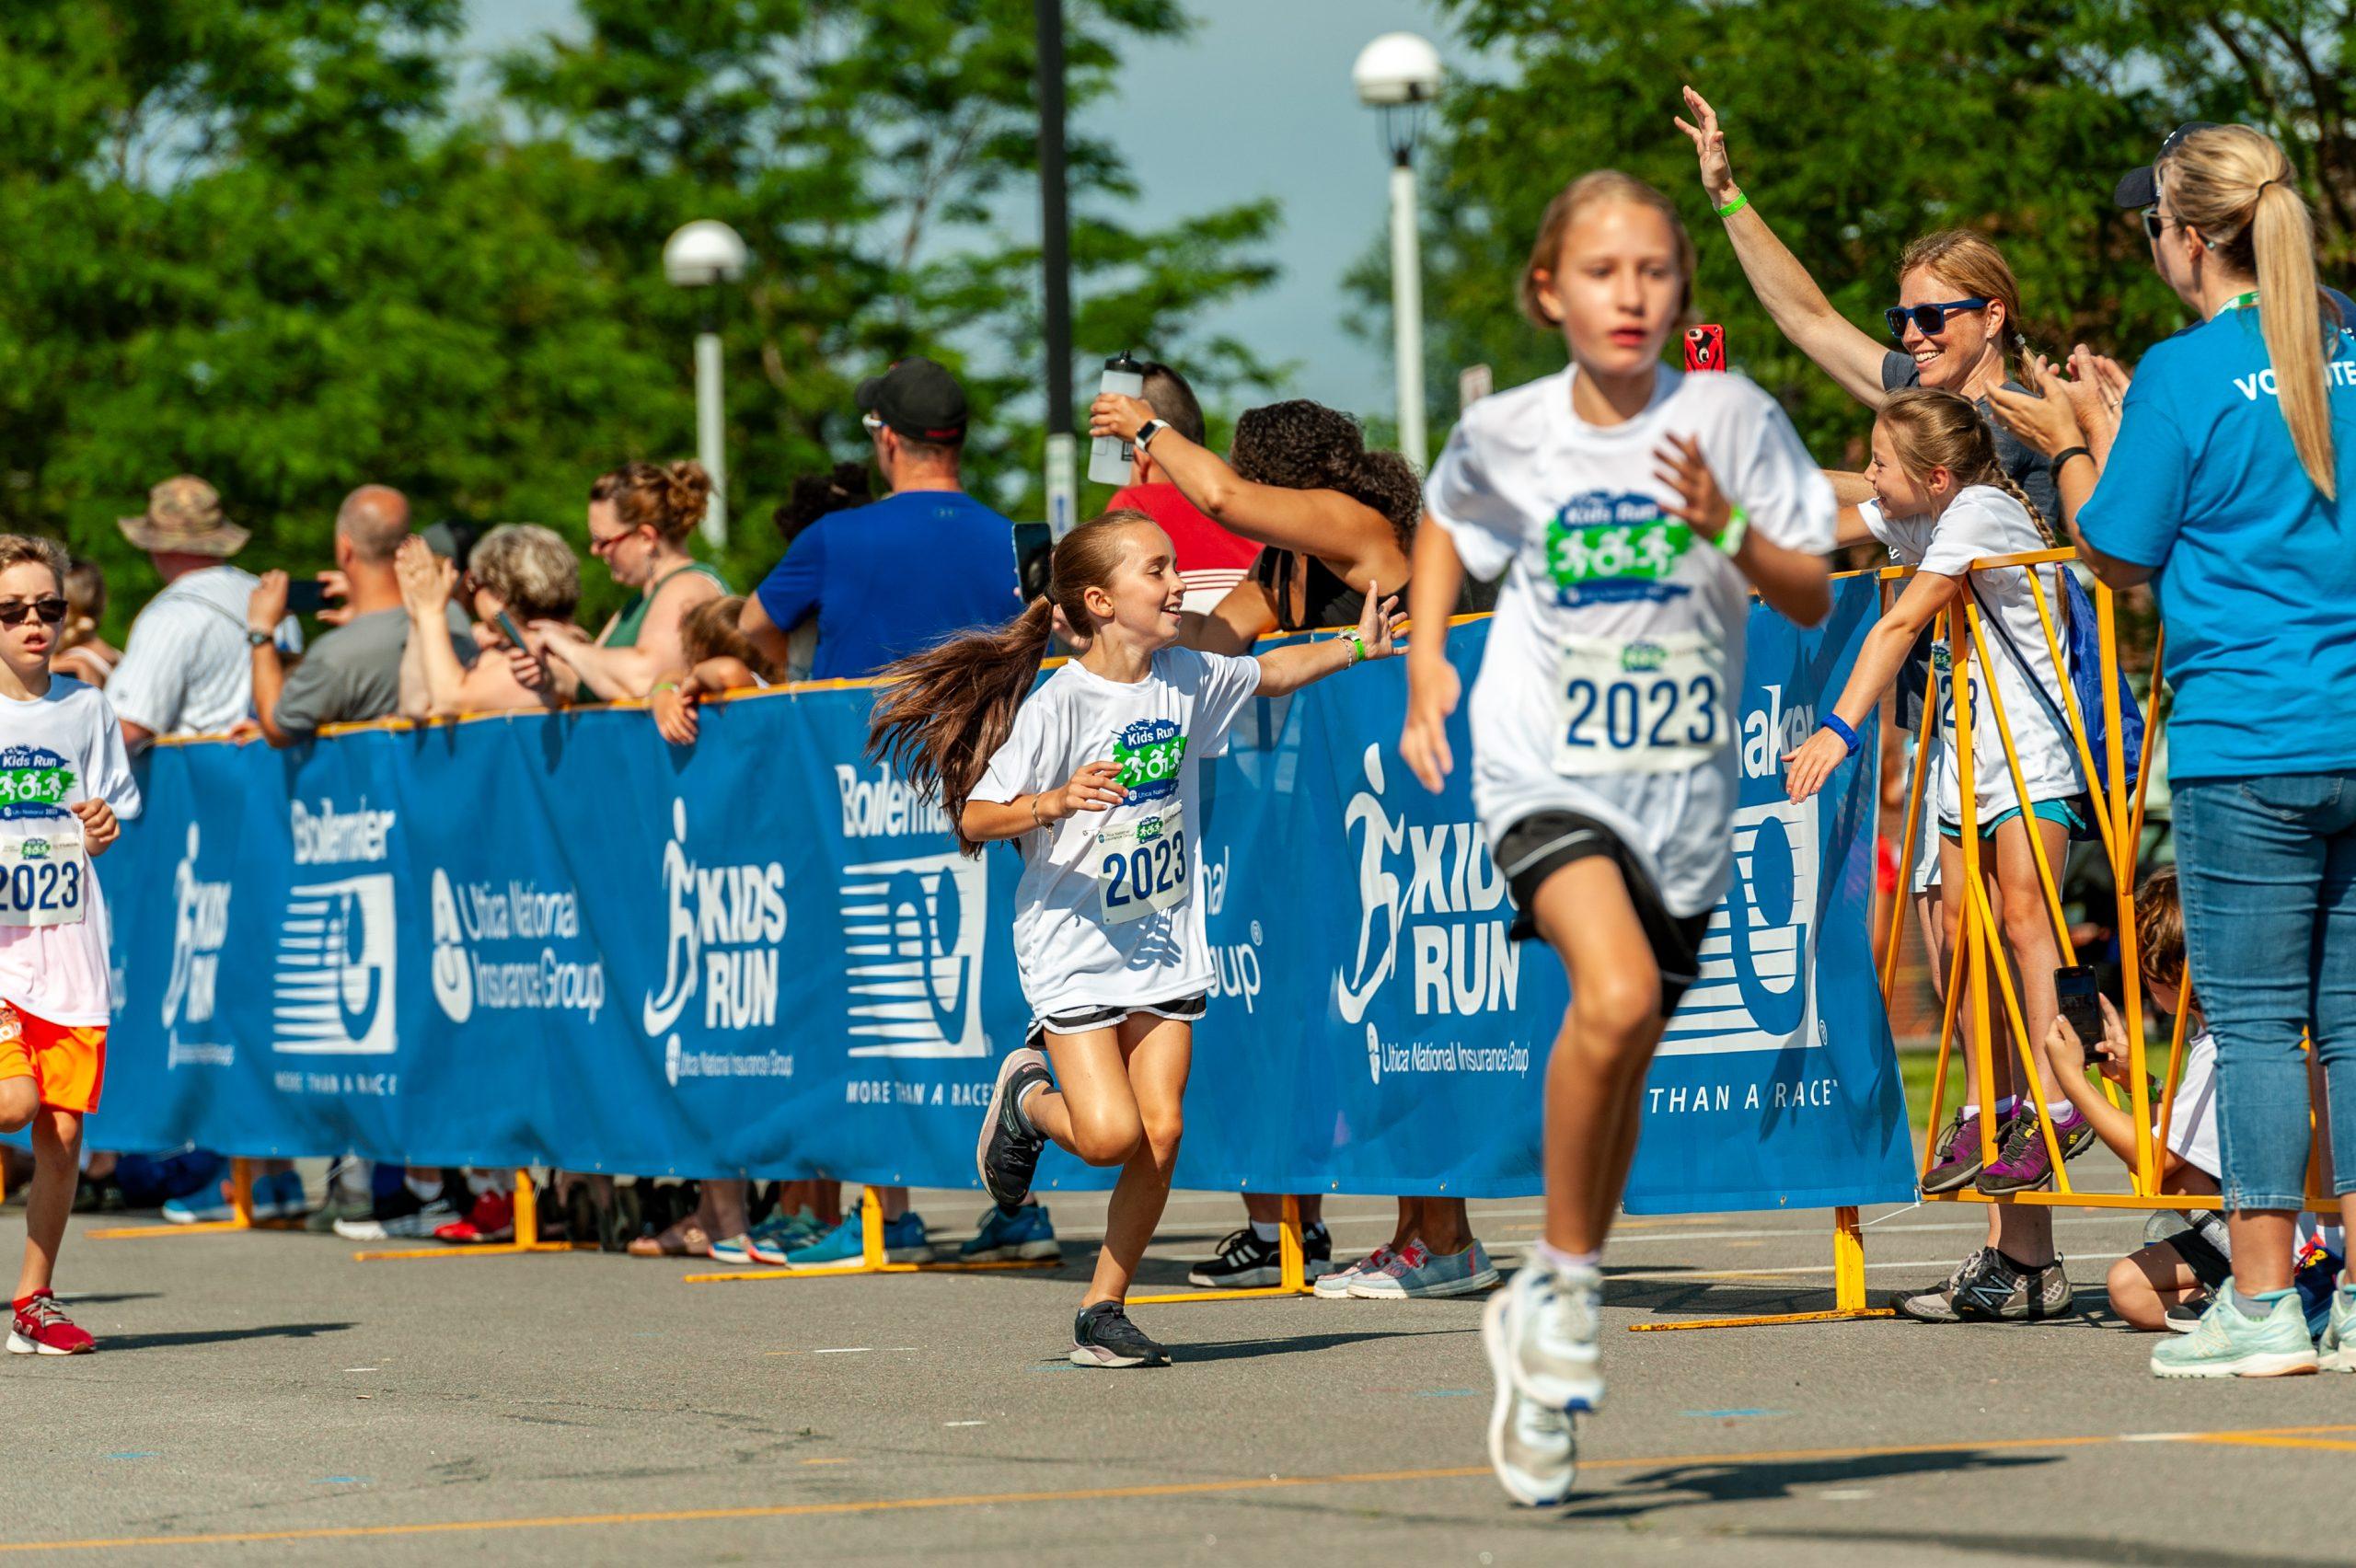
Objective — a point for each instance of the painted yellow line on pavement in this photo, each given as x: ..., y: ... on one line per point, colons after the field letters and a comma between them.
x: 2265, y: 1440
x: 1114, y: 1493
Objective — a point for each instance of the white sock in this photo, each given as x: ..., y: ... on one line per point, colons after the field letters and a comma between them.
x: 1970, y: 1113
x: 426, y: 1190
x: 1559, y: 1261
x: 1264, y: 1229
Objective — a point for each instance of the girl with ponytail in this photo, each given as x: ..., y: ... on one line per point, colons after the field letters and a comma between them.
x: 1094, y: 778
x: 2225, y: 490
x: 1942, y: 500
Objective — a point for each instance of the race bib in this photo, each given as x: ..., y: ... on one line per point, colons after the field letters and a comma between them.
x: 44, y: 875
x: 1639, y: 705
x: 1141, y: 866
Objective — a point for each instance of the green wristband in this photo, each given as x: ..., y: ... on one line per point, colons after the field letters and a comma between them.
x: 1358, y: 648
x: 1741, y: 200
x: 1730, y: 536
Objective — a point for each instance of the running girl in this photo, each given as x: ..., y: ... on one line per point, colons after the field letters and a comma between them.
x: 1093, y: 777
x: 1602, y: 720
x: 1943, y: 500
x: 65, y: 778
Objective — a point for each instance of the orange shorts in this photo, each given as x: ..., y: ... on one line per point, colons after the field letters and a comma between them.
x: 67, y: 1061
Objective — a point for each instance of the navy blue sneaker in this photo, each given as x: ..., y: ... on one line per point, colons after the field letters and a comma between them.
x: 1004, y: 1236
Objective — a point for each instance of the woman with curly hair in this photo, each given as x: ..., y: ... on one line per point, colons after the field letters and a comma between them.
x: 1333, y: 517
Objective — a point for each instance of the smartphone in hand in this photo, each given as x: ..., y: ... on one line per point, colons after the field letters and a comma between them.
x: 2074, y: 985
x: 306, y: 596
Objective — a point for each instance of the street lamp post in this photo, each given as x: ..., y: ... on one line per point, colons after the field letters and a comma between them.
x: 704, y: 254
x: 1398, y: 74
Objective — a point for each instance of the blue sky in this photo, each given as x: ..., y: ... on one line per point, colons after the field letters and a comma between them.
x: 1256, y: 102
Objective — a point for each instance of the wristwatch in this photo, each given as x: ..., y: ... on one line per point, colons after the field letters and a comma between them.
x: 1147, y: 431
x: 260, y: 639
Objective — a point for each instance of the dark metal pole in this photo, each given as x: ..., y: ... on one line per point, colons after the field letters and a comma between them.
x: 1055, y: 257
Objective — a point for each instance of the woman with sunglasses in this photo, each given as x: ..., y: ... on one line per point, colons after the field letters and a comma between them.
x: 1956, y: 327
x: 1957, y: 322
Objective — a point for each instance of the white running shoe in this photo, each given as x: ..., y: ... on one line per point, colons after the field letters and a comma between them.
x: 1534, y: 1450
x: 1557, y: 1331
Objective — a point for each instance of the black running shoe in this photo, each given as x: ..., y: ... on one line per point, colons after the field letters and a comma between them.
x: 1316, y: 1252
x: 2006, y: 1291
x: 2185, y: 1315
x: 1244, y: 1263
x: 1102, y: 1336
x: 1008, y: 1152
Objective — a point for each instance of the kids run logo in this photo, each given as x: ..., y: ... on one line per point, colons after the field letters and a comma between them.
x: 722, y: 927
x: 200, y: 930
x: 1150, y: 752
x: 1436, y: 891
x: 1605, y: 547
x: 335, y: 978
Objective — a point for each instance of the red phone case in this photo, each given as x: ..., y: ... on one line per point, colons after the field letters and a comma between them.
x: 1706, y: 347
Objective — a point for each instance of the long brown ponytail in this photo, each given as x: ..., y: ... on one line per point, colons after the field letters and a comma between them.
x: 948, y: 710
x: 2233, y: 185
x: 1930, y: 428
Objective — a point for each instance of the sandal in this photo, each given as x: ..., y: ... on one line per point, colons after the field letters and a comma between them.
x: 685, y: 1240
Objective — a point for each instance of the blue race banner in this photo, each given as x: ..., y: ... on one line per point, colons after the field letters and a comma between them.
x: 556, y: 939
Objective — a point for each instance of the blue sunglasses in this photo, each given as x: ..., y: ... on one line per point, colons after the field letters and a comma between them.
x: 1930, y: 319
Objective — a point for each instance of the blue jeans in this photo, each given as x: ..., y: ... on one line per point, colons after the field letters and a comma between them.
x: 2268, y: 868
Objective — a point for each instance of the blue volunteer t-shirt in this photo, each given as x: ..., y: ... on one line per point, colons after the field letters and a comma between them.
x: 2256, y: 571
x: 888, y: 579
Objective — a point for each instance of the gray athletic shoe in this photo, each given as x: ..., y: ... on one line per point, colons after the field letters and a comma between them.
x: 1102, y: 1336
x: 1533, y: 1450
x: 1936, y: 1303
x: 1413, y: 1274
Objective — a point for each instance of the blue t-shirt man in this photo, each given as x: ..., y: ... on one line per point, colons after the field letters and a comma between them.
x: 894, y: 577
x: 2256, y: 569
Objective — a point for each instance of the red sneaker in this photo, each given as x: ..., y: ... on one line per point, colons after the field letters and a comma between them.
x: 491, y: 1219
x: 40, y: 1329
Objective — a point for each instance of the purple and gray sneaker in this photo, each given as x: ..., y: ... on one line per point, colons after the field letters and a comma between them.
x: 1957, y: 1161
x: 2072, y: 1131
x: 2022, y: 1164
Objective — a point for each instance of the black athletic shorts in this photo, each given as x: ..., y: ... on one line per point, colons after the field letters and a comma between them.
x: 1544, y: 842
x: 2209, y: 1265
x: 1185, y: 1010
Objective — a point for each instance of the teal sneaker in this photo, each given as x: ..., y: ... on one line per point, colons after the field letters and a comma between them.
x: 904, y: 1242
x: 1027, y: 1234
x: 776, y: 1238
x: 2336, y: 1351
x: 2228, y: 1345
x: 207, y: 1205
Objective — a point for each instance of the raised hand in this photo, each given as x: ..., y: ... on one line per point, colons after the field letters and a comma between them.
x: 1379, y: 624
x: 1709, y: 147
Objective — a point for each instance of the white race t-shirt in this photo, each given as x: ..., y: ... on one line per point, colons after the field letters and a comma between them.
x: 1983, y: 520
x: 62, y: 747
x: 1109, y: 912
x: 2193, y: 1124
x: 1612, y: 681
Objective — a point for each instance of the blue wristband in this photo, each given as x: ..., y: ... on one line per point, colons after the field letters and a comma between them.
x: 1839, y: 726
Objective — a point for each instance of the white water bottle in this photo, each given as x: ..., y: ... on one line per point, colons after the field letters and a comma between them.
x: 1108, y: 456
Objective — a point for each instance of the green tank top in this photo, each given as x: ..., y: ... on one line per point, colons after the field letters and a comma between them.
x: 627, y: 624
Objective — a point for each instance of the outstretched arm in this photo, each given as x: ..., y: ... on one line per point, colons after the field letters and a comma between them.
x: 1287, y: 669
x: 1797, y: 305
x: 1878, y: 662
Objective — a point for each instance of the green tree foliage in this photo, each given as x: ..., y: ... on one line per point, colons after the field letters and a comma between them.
x: 1854, y: 126
x: 269, y: 243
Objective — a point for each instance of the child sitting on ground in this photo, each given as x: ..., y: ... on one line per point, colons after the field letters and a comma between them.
x: 2182, y: 1270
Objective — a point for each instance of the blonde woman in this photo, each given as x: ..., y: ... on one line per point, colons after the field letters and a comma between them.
x: 2225, y: 491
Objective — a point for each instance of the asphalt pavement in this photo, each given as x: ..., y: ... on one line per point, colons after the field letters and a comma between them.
x: 264, y: 1398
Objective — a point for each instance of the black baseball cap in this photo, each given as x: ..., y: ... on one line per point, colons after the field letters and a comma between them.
x: 2139, y: 188
x: 918, y: 398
